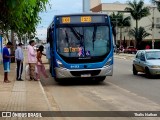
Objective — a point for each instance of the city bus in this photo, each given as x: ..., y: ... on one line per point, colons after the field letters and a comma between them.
x: 81, y: 46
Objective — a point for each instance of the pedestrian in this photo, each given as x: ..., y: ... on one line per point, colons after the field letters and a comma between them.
x: 40, y: 65
x: 31, y: 59
x: 6, y: 61
x: 48, y: 51
x: 19, y: 59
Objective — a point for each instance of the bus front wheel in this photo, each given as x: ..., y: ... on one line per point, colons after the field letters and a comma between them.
x: 101, y: 79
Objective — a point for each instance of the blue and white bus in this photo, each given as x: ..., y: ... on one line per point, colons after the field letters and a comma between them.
x: 81, y: 46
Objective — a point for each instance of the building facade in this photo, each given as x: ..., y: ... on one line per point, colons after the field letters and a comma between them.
x: 89, y: 4
x: 146, y: 22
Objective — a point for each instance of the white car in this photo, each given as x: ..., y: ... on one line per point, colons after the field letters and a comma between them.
x: 147, y: 61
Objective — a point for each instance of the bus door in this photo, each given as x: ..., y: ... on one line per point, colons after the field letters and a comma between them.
x: 52, y: 63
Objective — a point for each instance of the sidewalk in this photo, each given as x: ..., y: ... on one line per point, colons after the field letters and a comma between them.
x: 22, y: 95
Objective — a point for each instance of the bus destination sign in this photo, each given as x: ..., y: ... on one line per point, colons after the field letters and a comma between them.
x: 86, y: 19
x: 66, y: 19
x: 81, y: 19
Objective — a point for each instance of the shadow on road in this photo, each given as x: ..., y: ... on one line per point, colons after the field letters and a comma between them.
x: 73, y: 82
x: 82, y: 81
x: 155, y: 77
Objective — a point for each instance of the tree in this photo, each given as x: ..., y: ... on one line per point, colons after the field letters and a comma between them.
x: 138, y: 11
x: 140, y: 33
x: 20, y: 15
x: 113, y: 28
x: 121, y: 22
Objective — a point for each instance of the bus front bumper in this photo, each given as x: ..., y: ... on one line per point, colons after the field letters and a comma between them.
x: 72, y: 73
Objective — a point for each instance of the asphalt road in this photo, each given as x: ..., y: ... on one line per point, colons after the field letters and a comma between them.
x: 139, y: 84
x: 121, y: 92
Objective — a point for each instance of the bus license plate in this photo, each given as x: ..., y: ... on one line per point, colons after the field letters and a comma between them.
x: 86, y: 75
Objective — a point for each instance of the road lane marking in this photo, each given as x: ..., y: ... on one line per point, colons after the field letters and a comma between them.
x: 123, y: 89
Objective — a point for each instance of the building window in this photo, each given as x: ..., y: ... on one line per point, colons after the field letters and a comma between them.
x: 158, y: 20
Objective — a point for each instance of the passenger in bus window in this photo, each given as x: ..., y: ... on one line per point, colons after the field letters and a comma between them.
x: 100, y: 44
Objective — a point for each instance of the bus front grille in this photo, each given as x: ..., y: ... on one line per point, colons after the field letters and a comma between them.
x: 91, y: 72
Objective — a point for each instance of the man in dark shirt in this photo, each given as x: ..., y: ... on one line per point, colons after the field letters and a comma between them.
x: 6, y: 61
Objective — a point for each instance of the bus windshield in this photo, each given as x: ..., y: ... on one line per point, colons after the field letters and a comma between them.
x: 84, y: 42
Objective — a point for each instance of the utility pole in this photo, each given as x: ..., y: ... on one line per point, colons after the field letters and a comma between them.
x: 153, y: 32
x: 153, y: 41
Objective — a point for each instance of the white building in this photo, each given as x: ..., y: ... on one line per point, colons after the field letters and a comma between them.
x: 88, y: 4
x: 146, y: 22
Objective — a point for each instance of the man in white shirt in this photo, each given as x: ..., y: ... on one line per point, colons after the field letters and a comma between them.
x: 19, y: 59
x: 32, y: 59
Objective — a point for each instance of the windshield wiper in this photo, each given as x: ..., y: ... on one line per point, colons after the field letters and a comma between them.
x: 78, y: 36
x: 66, y: 38
x: 94, y: 35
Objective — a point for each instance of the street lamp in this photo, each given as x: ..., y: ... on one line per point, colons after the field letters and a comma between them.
x: 153, y: 8
x: 153, y: 41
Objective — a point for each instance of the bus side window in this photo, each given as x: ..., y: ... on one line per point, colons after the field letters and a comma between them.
x: 51, y: 39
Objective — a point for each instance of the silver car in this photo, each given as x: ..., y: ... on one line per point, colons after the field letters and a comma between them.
x: 147, y: 61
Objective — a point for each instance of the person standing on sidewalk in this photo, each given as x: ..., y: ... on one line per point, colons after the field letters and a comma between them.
x: 19, y: 59
x: 31, y: 59
x: 40, y: 65
x: 6, y: 61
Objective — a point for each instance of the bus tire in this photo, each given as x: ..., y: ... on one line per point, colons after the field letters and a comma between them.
x: 101, y: 79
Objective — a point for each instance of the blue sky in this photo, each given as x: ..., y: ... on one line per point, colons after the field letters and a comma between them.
x: 62, y: 7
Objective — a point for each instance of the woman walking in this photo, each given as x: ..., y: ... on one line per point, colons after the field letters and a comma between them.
x: 40, y: 65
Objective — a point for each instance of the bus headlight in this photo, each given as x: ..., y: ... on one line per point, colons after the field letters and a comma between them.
x: 109, y: 62
x: 59, y: 64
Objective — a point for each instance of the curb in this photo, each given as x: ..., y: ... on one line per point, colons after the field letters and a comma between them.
x: 47, y: 101
x: 45, y: 96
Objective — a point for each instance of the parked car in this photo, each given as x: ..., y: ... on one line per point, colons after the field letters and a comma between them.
x: 147, y: 61
x: 130, y: 49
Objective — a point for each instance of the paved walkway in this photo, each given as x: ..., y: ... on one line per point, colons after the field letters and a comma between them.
x: 22, y: 95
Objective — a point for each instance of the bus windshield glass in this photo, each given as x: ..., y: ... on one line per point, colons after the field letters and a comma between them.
x: 84, y: 42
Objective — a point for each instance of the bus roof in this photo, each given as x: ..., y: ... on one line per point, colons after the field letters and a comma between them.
x: 79, y: 14
x: 76, y: 14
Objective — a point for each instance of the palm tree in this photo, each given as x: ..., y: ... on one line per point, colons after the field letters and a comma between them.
x: 140, y: 33
x: 113, y: 23
x: 138, y: 11
x: 121, y: 22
